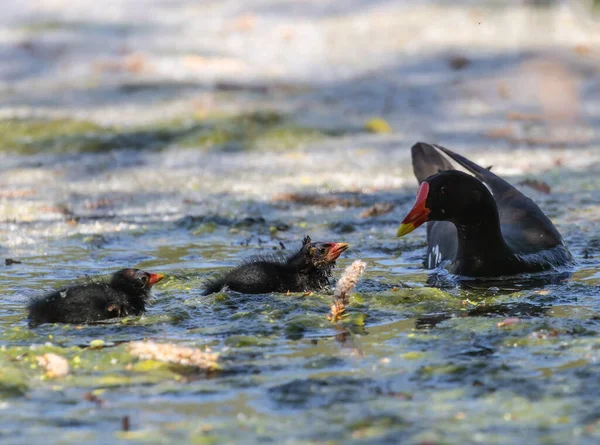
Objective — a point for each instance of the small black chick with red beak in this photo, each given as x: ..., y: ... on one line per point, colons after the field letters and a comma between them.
x: 308, y: 269
x: 125, y: 294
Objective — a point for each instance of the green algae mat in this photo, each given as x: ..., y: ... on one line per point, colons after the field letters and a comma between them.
x: 416, y: 359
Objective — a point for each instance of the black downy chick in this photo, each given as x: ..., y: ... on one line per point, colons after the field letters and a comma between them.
x: 308, y: 269
x: 125, y: 294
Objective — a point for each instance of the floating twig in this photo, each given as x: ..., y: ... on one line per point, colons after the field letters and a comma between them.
x: 179, y: 355
x: 343, y: 288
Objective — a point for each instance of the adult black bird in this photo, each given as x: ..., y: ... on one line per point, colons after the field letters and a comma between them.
x: 308, y: 269
x: 125, y: 294
x: 478, y: 224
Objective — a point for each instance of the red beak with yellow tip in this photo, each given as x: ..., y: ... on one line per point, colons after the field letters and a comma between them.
x: 155, y: 278
x: 419, y: 213
x: 336, y: 250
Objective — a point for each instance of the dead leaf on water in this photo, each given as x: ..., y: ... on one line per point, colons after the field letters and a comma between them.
x: 503, y: 90
x: 458, y: 62
x: 519, y: 116
x: 380, y: 208
x: 508, y: 322
x: 224, y: 64
x: 537, y: 185
x: 11, y: 194
x: 318, y: 200
x: 243, y: 23
x: 500, y: 133
x: 582, y: 50
x: 98, y: 204
x: 131, y: 63
x: 93, y: 398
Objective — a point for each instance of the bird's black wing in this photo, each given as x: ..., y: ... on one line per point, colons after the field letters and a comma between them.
x: 525, y: 228
x: 427, y: 161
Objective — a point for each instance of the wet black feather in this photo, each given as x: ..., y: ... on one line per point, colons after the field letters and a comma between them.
x: 297, y: 272
x: 94, y: 300
x: 527, y: 240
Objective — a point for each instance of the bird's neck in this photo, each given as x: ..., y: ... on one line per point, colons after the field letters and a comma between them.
x: 135, y: 298
x: 297, y: 264
x: 480, y: 243
x: 138, y: 303
x: 307, y: 274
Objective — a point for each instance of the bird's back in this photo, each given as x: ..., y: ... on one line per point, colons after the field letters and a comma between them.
x: 75, y: 304
x: 80, y: 304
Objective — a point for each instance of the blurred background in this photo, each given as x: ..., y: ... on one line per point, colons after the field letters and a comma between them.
x: 209, y: 98
x: 451, y: 71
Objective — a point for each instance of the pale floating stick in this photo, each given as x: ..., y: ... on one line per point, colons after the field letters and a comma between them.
x: 170, y: 353
x: 344, y: 286
x: 348, y: 280
x: 55, y: 365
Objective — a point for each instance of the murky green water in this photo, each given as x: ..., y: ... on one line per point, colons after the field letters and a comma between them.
x: 161, y: 135
x: 427, y: 366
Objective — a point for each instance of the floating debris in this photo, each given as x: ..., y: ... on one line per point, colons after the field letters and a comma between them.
x: 349, y: 278
x: 55, y: 365
x: 318, y: 200
x: 93, y: 398
x: 519, y: 116
x: 508, y: 322
x: 11, y: 194
x: 458, y: 62
x: 344, y: 286
x: 170, y: 353
x: 101, y: 203
x: 10, y: 262
x: 125, y: 423
x: 380, y: 208
x: 378, y: 125
x: 537, y: 185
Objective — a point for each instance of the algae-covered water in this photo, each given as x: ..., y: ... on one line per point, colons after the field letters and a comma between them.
x: 183, y: 137
x: 511, y: 362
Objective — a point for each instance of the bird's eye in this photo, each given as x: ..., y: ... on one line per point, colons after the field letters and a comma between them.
x: 322, y: 250
x: 442, y: 191
x: 144, y: 279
